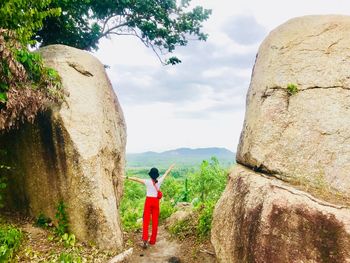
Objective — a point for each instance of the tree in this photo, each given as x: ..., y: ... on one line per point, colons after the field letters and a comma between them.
x: 159, y: 24
x: 25, y: 17
x: 209, y: 182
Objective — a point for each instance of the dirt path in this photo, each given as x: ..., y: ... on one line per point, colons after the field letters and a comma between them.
x: 168, y: 250
x: 159, y: 253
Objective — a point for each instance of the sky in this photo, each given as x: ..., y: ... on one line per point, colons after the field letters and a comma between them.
x: 200, y: 102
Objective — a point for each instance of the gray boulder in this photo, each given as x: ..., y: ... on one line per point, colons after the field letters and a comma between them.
x: 75, y: 153
x: 302, y: 136
x: 288, y: 198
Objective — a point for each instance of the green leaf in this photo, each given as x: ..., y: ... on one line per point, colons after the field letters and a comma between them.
x: 3, y: 97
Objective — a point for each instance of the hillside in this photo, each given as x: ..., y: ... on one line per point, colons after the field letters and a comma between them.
x: 185, y: 157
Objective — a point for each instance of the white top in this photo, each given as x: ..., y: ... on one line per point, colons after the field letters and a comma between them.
x: 150, y: 189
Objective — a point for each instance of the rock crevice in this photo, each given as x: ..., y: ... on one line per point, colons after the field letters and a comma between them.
x: 288, y: 198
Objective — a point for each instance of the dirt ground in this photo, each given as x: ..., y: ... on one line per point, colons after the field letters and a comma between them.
x: 41, y: 245
x: 168, y: 249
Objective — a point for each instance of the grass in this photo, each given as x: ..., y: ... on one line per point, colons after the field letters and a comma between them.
x: 38, y: 244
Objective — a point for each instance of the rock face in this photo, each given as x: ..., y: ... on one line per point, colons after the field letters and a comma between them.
x: 263, y: 220
x: 75, y: 153
x: 305, y: 135
x: 293, y: 135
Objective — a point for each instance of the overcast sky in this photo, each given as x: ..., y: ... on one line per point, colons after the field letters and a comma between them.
x: 201, y: 102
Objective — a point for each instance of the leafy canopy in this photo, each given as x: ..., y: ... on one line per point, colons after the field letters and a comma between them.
x: 160, y: 25
x: 25, y: 17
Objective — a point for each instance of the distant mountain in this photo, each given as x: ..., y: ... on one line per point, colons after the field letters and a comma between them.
x: 185, y: 157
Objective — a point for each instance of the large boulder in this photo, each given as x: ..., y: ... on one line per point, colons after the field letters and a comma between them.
x: 261, y: 220
x: 288, y: 198
x: 302, y: 135
x: 74, y: 153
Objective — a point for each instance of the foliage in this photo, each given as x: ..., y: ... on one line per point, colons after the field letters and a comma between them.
x: 209, y: 182
x: 28, y: 20
x: 166, y: 210
x: 292, y: 88
x: 131, y: 206
x: 69, y: 240
x: 66, y: 257
x: 62, y: 219
x: 203, y: 188
x: 205, y: 217
x: 26, y: 86
x: 160, y: 25
x: 10, y: 240
x: 43, y: 221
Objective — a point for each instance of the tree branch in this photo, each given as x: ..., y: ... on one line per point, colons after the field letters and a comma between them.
x: 110, y: 30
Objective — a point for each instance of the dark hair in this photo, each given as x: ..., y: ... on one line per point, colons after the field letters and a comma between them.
x: 154, y: 174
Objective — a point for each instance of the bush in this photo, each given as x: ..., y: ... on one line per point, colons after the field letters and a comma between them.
x: 10, y: 240
x: 62, y: 219
x: 209, y: 182
x: 131, y: 206
x: 205, y: 219
x: 166, y: 210
x: 43, y: 221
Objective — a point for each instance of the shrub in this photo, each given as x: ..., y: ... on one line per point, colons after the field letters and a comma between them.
x: 43, y: 221
x: 205, y: 219
x: 10, y: 240
x: 209, y: 182
x: 62, y: 219
x: 166, y: 210
x: 131, y: 206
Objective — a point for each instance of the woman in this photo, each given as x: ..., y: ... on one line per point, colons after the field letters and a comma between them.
x: 152, y: 203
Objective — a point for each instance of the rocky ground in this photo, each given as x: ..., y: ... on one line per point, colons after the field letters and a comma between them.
x: 168, y: 249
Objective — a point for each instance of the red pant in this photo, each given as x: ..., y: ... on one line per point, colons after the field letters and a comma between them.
x: 151, y: 208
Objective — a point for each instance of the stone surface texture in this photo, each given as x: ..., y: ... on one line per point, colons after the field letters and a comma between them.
x: 305, y: 135
x: 298, y: 138
x: 74, y: 153
x: 259, y: 219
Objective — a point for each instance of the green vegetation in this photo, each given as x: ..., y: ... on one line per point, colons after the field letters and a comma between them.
x: 30, y: 18
x: 202, y: 187
x: 62, y: 219
x: 66, y: 257
x: 292, y: 89
x: 185, y: 158
x: 26, y: 85
x: 160, y: 25
x: 43, y: 221
x: 10, y: 240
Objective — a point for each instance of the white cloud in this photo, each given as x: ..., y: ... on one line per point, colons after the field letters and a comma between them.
x: 200, y: 102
